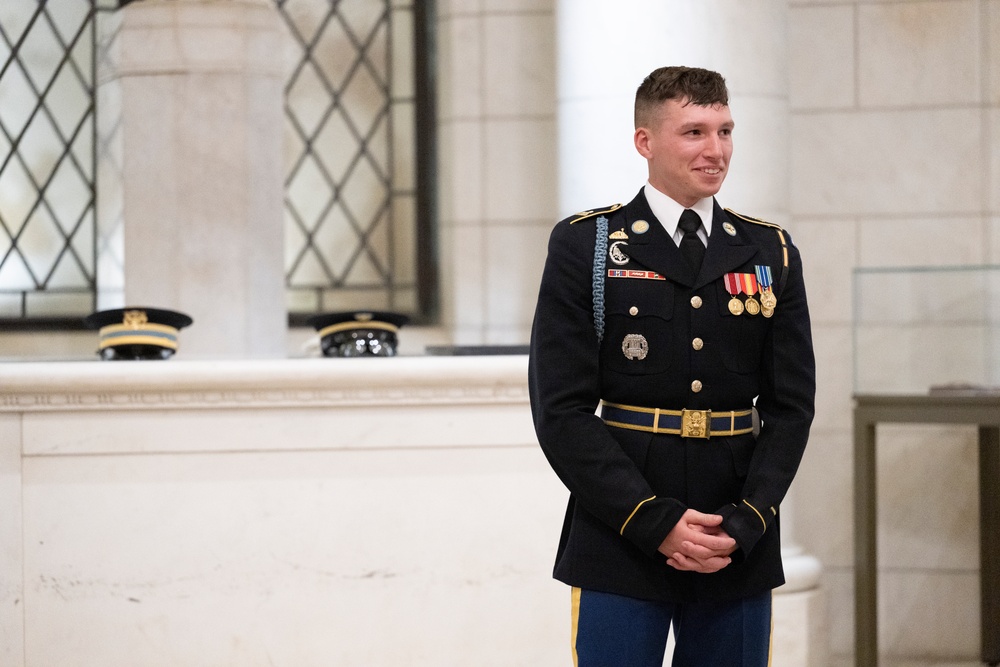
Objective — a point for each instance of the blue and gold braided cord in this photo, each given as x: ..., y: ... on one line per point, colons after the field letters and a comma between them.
x: 600, y: 262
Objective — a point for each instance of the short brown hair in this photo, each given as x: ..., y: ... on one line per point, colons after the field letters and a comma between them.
x: 698, y: 86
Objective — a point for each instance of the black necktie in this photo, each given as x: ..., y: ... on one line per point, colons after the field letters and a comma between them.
x: 691, y: 246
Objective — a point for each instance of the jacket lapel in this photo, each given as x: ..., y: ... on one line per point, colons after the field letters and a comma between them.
x: 725, y: 251
x: 654, y: 249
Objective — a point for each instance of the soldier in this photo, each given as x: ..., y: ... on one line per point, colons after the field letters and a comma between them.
x: 674, y: 320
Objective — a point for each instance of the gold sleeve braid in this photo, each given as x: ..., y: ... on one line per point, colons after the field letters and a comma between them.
x: 622, y: 531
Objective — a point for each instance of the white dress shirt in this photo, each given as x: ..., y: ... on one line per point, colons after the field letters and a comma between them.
x: 668, y: 212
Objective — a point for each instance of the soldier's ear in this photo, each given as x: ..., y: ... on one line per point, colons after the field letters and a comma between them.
x: 642, y: 138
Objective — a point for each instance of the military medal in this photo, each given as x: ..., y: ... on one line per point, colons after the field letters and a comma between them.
x: 767, y: 299
x: 733, y: 286
x: 749, y: 281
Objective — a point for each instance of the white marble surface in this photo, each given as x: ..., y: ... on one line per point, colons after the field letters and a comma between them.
x: 919, y: 54
x: 383, y: 557
x: 498, y: 177
x: 309, y: 512
x: 11, y: 543
x: 899, y: 163
x: 515, y: 49
x: 294, y: 512
x: 829, y: 254
x: 990, y: 35
x: 992, y: 158
x: 517, y: 152
x: 822, y: 71
x: 802, y: 644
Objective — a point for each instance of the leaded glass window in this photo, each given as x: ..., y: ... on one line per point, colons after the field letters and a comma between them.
x: 359, y: 155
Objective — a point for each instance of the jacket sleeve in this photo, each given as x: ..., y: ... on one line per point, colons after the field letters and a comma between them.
x: 786, y: 407
x: 564, y: 387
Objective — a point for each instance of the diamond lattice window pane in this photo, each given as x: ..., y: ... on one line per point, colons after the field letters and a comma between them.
x: 17, y: 196
x: 342, y: 117
x: 17, y: 101
x: 335, y: 54
x: 339, y: 240
x: 47, y: 198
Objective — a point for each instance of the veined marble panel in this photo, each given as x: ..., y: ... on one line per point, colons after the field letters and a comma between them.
x: 520, y: 158
x: 460, y: 66
x: 517, y: 255
x: 11, y: 543
x: 321, y: 558
x: 821, y: 69
x: 829, y: 253
x: 302, y: 512
x: 462, y: 175
x: 519, y: 63
x: 906, y: 162
x: 918, y: 53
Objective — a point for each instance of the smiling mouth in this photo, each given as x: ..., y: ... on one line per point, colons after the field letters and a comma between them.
x: 712, y: 172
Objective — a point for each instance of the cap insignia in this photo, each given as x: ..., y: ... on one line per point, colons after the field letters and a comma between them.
x: 134, y: 318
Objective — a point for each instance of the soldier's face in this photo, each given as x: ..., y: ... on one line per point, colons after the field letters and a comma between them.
x: 687, y: 149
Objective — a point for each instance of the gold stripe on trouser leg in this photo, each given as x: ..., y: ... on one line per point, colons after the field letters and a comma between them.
x: 575, y: 623
x: 770, y: 640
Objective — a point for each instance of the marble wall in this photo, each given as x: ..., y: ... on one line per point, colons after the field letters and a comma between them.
x: 894, y: 117
x: 497, y: 112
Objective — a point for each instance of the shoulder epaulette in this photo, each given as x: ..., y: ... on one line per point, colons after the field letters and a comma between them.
x: 776, y: 228
x: 583, y: 215
x: 756, y: 221
x: 781, y: 240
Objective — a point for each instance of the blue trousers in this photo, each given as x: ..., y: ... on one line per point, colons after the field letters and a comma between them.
x: 616, y: 631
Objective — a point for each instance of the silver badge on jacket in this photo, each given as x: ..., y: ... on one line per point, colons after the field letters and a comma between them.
x: 635, y: 347
x: 618, y: 255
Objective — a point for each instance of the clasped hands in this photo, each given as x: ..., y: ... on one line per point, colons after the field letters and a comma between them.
x: 698, y: 543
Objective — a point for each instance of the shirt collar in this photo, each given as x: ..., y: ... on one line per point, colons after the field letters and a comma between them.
x: 668, y: 212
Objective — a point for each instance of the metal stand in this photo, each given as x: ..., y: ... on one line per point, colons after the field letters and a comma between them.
x: 870, y: 410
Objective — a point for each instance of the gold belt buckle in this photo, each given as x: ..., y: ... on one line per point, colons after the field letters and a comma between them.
x: 695, y: 423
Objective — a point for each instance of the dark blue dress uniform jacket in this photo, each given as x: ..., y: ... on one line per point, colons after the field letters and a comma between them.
x: 612, y: 529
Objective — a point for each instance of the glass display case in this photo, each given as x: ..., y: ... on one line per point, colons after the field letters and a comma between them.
x: 920, y: 330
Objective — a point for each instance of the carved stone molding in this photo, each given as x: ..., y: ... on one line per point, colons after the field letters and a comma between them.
x: 73, y: 386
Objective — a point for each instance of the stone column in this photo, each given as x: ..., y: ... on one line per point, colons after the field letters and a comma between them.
x: 604, y: 51
x: 201, y: 85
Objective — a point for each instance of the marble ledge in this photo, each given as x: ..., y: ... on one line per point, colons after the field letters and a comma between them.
x: 205, y: 384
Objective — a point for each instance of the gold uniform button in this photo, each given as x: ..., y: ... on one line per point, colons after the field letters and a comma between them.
x: 633, y: 311
x: 696, y: 386
x: 697, y: 343
x: 696, y: 302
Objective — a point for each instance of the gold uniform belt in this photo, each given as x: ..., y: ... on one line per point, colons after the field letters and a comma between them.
x: 685, y: 423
